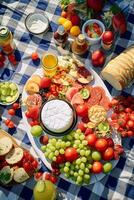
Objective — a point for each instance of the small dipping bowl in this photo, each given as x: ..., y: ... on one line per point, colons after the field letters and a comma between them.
x: 37, y: 23
x: 93, y: 40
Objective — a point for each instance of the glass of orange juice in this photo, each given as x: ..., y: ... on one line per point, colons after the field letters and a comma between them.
x: 49, y: 64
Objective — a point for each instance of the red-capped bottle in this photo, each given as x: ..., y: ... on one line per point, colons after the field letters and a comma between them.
x: 61, y: 36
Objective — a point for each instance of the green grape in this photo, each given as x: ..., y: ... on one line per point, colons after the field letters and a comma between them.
x: 79, y: 179
x: 86, y: 176
x: 56, y: 153
x: 87, y: 153
x: 49, y: 145
x: 71, y: 172
x: 76, y: 166
x: 48, y: 150
x: 78, y: 131
x: 46, y: 154
x: 81, y: 146
x: 43, y: 148
x: 63, y: 144
x: 66, y: 169
x: 68, y: 164
x: 77, y: 142
x: 67, y: 175
x: 62, y: 151
x: 58, y: 145
x: 90, y: 166
x: 69, y: 137
x: 76, y: 136
x: 53, y: 141
x: 84, y: 142
x: 59, y: 140
x: 84, y: 159
x: 52, y: 148
x: 82, y: 137
x: 82, y: 166
x: 78, y: 161
x: 75, y: 145
x: 82, y: 152
x: 64, y: 138
x: 75, y: 174
x: 72, y: 167
x: 54, y: 158
x: 50, y: 156
x: 90, y: 160
x: 68, y: 144
x: 80, y: 172
x: 86, y: 170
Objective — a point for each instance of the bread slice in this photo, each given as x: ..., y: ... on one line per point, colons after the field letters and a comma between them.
x: 14, y: 156
x: 20, y: 175
x: 6, y: 145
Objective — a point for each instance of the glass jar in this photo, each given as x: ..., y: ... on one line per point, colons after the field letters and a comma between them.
x: 80, y: 45
x: 6, y: 40
x: 49, y: 64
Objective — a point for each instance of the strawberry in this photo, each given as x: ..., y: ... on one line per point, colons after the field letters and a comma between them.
x: 119, y: 23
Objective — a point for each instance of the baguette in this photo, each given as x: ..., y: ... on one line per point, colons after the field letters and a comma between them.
x: 14, y: 156
x: 6, y: 145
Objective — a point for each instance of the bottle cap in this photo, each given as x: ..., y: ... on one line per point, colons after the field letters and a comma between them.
x: 4, y: 32
x: 61, y: 30
x: 81, y: 38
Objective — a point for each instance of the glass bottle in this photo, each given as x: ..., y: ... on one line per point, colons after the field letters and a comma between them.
x: 79, y: 45
x: 6, y: 40
x: 61, y: 36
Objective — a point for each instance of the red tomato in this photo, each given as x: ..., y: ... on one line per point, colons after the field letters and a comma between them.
x: 35, y: 164
x: 97, y: 167
x: 7, y: 121
x: 130, y: 133
x: 130, y: 124
x: 44, y: 139
x: 124, y: 115
x: 91, y: 139
x: 110, y: 142
x: 101, y: 144
x: 88, y: 131
x: 128, y: 110
x: 11, y: 111
x: 45, y: 82
x: 38, y: 176
x: 114, y: 116
x: 30, y: 158
x: 26, y: 154
x: 71, y: 154
x: 27, y: 166
x: 131, y: 116
x: 122, y: 122
x: 81, y: 126
x: 27, y: 113
x: 34, y: 112
x: 16, y: 106
x: 47, y: 176
x: 34, y: 56
x: 60, y: 159
x: 11, y: 125
x: 82, y: 110
x: 108, y: 154
x: 53, y: 179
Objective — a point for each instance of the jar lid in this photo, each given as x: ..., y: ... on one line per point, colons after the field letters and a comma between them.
x: 81, y: 38
x: 4, y: 32
x: 61, y: 30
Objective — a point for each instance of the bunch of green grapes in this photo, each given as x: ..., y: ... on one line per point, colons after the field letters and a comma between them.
x: 54, y: 148
x: 78, y: 171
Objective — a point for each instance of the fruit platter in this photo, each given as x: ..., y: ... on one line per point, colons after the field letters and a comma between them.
x: 67, y: 119
x: 14, y: 159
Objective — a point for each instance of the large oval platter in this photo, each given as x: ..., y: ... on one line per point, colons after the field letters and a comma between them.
x: 36, y: 143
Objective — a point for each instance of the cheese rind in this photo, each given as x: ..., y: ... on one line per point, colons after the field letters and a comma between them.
x: 57, y: 116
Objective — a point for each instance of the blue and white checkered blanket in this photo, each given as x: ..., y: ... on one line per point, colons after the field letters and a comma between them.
x: 119, y: 184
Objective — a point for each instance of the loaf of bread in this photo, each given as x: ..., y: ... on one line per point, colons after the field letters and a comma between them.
x: 119, y: 72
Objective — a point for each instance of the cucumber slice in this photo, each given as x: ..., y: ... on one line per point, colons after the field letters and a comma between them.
x: 6, y: 175
x: 13, y: 86
x: 9, y: 99
x: 85, y: 93
x: 3, y: 98
x: 103, y: 126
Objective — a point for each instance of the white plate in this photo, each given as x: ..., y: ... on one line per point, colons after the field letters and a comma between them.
x: 36, y: 144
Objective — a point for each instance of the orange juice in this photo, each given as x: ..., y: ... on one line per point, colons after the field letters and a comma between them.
x: 49, y: 62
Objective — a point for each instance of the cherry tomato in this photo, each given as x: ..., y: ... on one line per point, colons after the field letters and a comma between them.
x: 26, y: 154
x: 131, y: 116
x: 11, y: 112
x: 128, y: 110
x: 34, y: 112
x: 56, y: 172
x: 130, y: 124
x: 91, y: 139
x: 34, y: 122
x: 81, y: 126
x: 38, y: 176
x: 85, y: 119
x: 114, y: 116
x: 28, y: 114
x: 110, y: 142
x: 27, y: 166
x: 11, y: 125
x: 130, y: 133
x: 124, y: 115
x: 97, y: 167
x: 124, y: 133
x: 45, y: 82
x: 30, y: 158
x: 71, y: 154
x: 114, y: 102
x: 44, y: 139
x: 82, y: 110
x: 34, y: 56
x: 53, y: 179
x: 108, y: 154
x: 60, y: 159
x: 35, y: 164
x: 122, y: 122
x: 16, y: 106
x: 101, y: 144
x: 88, y: 131
x: 46, y: 176
x: 7, y: 121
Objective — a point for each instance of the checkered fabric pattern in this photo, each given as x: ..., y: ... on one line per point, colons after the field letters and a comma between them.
x: 119, y: 184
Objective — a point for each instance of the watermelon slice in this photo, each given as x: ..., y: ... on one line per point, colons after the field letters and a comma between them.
x: 77, y: 99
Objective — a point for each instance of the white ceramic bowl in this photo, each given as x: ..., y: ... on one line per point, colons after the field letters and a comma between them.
x: 93, y: 40
x: 37, y: 23
x: 18, y: 94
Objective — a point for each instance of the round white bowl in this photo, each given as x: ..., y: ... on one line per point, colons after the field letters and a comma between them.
x: 33, y: 18
x: 93, y: 40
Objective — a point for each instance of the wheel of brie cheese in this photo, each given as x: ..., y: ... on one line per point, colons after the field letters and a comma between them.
x: 57, y: 116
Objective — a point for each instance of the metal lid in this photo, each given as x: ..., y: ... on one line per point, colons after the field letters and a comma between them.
x: 61, y: 30
x: 4, y: 32
x: 81, y: 38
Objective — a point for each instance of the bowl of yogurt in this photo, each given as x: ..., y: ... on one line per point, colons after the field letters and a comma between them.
x: 37, y: 23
